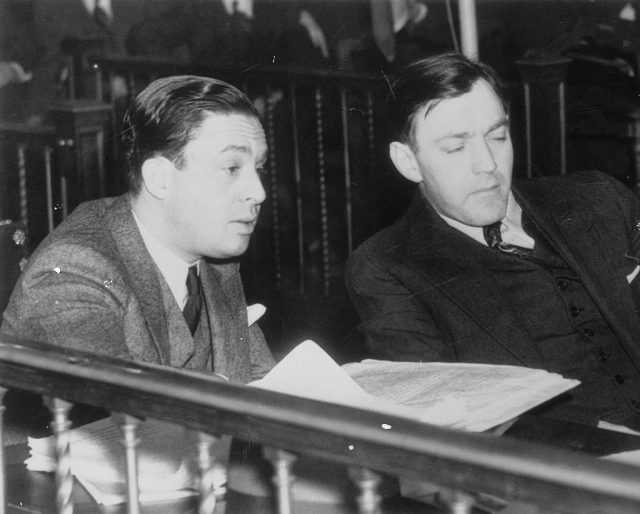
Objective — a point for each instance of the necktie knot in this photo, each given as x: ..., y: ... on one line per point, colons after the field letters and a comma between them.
x: 492, y: 234
x: 493, y: 237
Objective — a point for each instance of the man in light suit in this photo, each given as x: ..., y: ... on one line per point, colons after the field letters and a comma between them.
x: 151, y: 275
x: 540, y: 273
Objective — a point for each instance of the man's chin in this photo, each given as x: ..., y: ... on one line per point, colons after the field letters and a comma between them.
x: 228, y: 253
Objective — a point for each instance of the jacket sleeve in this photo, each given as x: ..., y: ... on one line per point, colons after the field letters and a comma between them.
x: 396, y: 323
x: 62, y: 299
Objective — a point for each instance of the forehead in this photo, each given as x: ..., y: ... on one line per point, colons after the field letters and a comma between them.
x: 220, y: 130
x: 480, y: 108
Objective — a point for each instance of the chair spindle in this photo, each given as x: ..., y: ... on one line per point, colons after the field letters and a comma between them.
x: 61, y: 426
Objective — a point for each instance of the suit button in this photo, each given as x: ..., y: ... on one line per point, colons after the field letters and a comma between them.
x: 563, y: 285
x: 575, y: 311
x: 588, y: 332
x: 620, y: 379
x: 604, y: 356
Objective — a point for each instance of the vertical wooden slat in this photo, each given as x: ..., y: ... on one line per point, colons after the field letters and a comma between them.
x: 64, y: 197
x: 3, y: 479
x: 371, y: 129
x: 298, y: 183
x: 206, y: 463
x: 527, y: 124
x: 22, y: 183
x: 346, y: 161
x: 563, y: 128
x: 48, y: 151
x: 97, y: 80
x: 273, y: 183
x: 129, y: 425
x: 322, y: 183
x: 72, y: 77
x: 367, y: 482
x: 61, y: 430
x: 101, y: 163
x: 131, y: 85
x: 283, y: 479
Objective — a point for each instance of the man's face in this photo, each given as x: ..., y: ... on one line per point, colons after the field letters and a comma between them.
x: 215, y: 198
x: 464, y: 156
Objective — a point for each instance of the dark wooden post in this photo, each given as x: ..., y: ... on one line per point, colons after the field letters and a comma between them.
x: 83, y: 128
x: 545, y: 123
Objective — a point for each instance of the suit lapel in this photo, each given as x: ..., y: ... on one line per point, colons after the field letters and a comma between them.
x: 451, y: 267
x: 582, y: 242
x: 227, y: 320
x: 143, y: 274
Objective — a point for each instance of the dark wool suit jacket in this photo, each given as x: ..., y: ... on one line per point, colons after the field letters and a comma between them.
x: 92, y: 285
x: 420, y: 293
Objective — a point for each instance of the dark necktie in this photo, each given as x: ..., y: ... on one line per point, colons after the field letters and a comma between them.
x: 191, y: 309
x: 493, y: 237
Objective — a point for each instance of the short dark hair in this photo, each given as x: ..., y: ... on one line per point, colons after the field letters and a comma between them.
x: 165, y: 116
x: 427, y: 81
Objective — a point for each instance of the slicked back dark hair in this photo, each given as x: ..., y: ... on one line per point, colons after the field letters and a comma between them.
x: 168, y: 113
x: 424, y: 83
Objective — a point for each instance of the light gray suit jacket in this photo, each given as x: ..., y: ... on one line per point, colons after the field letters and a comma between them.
x: 92, y: 285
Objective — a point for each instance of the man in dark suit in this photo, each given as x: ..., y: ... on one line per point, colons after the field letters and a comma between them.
x: 151, y: 275
x: 540, y: 273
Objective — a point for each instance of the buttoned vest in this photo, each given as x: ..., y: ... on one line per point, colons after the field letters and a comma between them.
x: 569, y: 332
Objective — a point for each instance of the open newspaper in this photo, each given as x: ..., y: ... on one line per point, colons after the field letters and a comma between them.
x: 473, y: 397
x: 465, y: 396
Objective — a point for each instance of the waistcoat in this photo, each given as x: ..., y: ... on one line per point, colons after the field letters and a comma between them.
x: 569, y: 332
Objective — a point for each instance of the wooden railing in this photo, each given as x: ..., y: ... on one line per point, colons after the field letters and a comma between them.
x: 370, y: 444
x: 27, y: 156
x: 49, y: 169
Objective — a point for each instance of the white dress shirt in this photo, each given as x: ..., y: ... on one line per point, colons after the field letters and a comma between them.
x: 173, y: 268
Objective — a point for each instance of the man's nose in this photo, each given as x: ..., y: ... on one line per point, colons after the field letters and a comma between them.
x: 483, y: 160
x: 255, y: 192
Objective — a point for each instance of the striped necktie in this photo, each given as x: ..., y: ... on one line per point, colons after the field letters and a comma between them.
x: 191, y: 311
x: 493, y: 237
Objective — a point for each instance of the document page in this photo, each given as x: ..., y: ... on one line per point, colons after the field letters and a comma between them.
x: 97, y: 460
x: 309, y: 372
x: 472, y: 397
x: 490, y: 394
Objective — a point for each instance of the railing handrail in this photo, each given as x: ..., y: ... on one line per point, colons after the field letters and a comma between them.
x: 514, y: 470
x: 301, y: 73
x: 27, y: 131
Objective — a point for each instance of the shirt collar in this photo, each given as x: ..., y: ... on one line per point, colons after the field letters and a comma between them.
x: 511, y: 227
x: 173, y: 268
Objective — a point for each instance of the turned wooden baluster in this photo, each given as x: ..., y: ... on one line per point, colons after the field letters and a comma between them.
x: 283, y: 479
x: 367, y: 482
x: 128, y: 425
x: 322, y: 182
x: 61, y: 430
x: 208, y: 471
x: 346, y: 162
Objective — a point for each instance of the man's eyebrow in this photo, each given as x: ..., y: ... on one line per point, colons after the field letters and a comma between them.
x: 235, y: 148
x: 502, y: 122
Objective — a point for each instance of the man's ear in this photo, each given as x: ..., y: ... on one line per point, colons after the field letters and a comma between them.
x: 156, y: 176
x: 405, y: 161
